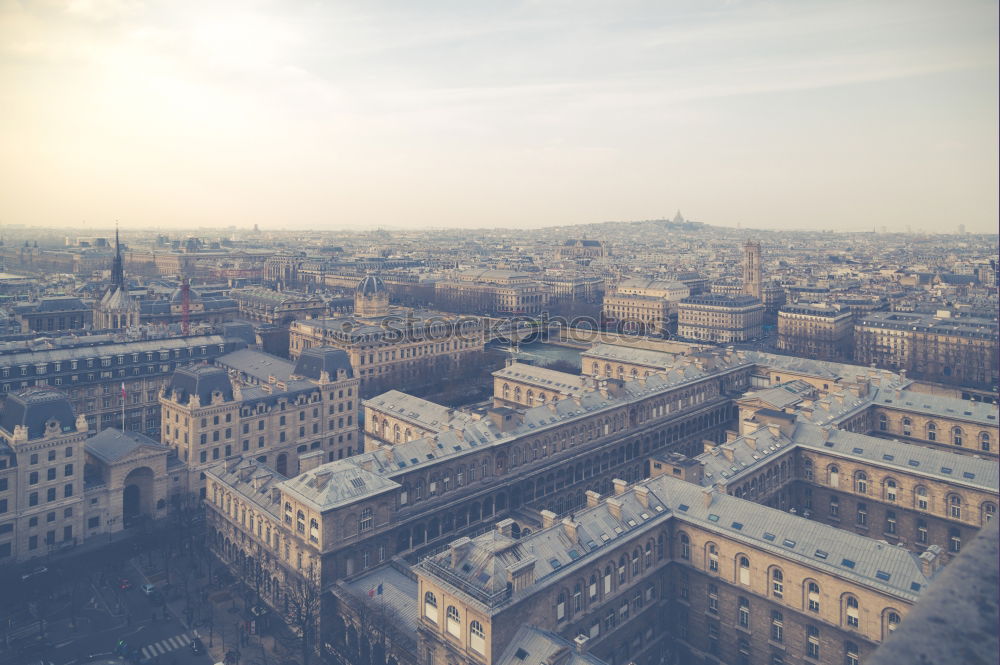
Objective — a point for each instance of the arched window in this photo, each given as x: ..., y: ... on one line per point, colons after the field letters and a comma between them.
x: 477, y: 638
x: 635, y: 562
x: 300, y: 522
x: 956, y: 435
x: 506, y: 391
x: 430, y: 607
x: 622, y: 569
x: 851, y: 611
x: 988, y: 513
x: 607, y: 579
x: 861, y: 482
x: 454, y: 621
x: 907, y: 426
x: 744, y: 570
x: 577, y: 598
x: 396, y: 434
x: 592, y: 588
x: 931, y: 432
x: 812, y: 596
x: 561, y: 607
x: 883, y: 422
x: 954, y: 541
x: 890, y: 490
x: 834, y: 473
x: 920, y: 493
x: 314, y: 530
x: 685, y: 546
x: 955, y: 506
x: 891, y: 622
x: 777, y: 583
x: 712, y: 555
x: 807, y: 466
x: 648, y: 562
x: 366, y: 521
x: 984, y: 441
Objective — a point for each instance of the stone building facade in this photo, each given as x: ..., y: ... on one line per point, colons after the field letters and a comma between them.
x: 823, y: 332
x: 719, y: 318
x: 955, y: 350
x: 394, y: 348
x: 208, y: 417
x: 41, y: 475
x: 668, y: 572
x: 91, y: 373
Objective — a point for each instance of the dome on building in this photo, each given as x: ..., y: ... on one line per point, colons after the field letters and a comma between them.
x: 35, y: 410
x: 178, y: 296
x: 371, y: 285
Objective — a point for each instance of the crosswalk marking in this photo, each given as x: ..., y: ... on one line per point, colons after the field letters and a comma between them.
x: 165, y: 645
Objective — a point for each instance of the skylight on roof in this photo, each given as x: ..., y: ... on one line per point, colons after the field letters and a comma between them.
x: 858, y: 451
x: 605, y: 537
x: 888, y: 458
x: 822, y: 554
x: 683, y: 507
x: 769, y: 536
x: 945, y: 469
x: 914, y: 586
x: 882, y: 575
x: 630, y: 522
x: 713, y: 518
x: 644, y: 516
x: 788, y: 543
x: 969, y: 475
x: 847, y: 563
x: 913, y: 462
x: 737, y: 525
x: 658, y: 509
x: 554, y: 563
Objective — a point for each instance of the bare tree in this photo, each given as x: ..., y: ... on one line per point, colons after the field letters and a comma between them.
x: 304, y: 597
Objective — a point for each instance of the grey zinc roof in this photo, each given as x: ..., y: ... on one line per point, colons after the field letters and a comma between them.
x: 399, y: 592
x: 253, y: 480
x: 257, y: 364
x: 33, y: 408
x: 982, y: 413
x: 549, y: 379
x: 782, y: 395
x: 111, y: 445
x: 915, y: 459
x: 823, y: 546
x: 647, y: 357
x: 534, y: 646
x: 336, y: 483
x: 425, y: 413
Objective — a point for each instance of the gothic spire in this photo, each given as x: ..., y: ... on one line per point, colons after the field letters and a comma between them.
x: 117, y: 269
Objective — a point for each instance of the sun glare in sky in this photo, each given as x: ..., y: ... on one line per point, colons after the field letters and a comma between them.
x: 781, y: 114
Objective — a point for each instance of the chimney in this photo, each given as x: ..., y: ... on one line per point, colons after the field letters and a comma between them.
x: 522, y: 574
x: 580, y: 642
x: 706, y: 495
x: 614, y: 507
x: 642, y: 495
x: 593, y: 498
x: 827, y: 432
x: 751, y: 441
x: 570, y: 527
x: 620, y: 486
x: 506, y: 527
x: 548, y: 518
x: 458, y: 547
x: 930, y: 560
x: 774, y: 430
x: 728, y: 453
x: 311, y: 460
x: 731, y: 435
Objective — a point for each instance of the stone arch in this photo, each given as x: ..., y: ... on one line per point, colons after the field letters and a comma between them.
x: 137, y: 494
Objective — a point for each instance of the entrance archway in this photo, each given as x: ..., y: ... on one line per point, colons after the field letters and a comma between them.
x: 137, y: 495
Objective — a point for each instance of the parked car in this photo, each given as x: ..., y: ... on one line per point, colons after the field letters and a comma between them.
x: 197, y: 647
x: 148, y: 589
x: 124, y: 584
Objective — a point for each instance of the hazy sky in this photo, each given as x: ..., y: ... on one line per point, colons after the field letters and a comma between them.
x: 797, y: 114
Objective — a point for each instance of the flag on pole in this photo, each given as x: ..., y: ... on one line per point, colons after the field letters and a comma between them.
x: 123, y: 391
x: 380, y: 588
x: 371, y: 592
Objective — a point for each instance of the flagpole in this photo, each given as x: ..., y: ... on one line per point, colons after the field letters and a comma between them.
x: 123, y: 406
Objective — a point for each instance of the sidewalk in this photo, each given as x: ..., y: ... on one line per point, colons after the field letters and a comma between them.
x: 216, y: 614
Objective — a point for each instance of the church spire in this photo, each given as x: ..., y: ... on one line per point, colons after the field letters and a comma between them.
x: 117, y: 269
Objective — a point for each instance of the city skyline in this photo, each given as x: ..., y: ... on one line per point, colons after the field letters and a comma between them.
x: 763, y: 115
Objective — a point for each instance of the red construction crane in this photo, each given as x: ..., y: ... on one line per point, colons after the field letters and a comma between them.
x: 186, y: 306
